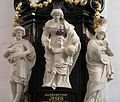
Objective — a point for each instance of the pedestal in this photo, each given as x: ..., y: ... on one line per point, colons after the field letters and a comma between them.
x: 57, y: 95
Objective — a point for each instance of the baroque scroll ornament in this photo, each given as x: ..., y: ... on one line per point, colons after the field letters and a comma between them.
x: 17, y: 21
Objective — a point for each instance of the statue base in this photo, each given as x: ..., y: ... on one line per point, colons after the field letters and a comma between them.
x: 47, y: 94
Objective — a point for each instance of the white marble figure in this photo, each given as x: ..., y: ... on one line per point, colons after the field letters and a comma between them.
x: 62, y: 46
x: 21, y: 55
x: 99, y: 66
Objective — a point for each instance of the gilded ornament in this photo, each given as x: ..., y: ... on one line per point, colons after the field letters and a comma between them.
x: 40, y: 5
x: 17, y: 14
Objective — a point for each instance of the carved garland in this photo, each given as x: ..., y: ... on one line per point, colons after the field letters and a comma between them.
x: 45, y: 3
x: 76, y: 2
x: 39, y: 5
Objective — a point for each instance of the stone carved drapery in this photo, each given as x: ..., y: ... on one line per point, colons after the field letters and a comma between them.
x: 21, y: 55
x: 62, y: 47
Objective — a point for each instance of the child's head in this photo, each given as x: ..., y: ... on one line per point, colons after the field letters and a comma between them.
x: 60, y: 40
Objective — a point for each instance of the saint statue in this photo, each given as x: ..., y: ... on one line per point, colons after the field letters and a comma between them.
x: 62, y: 47
x: 21, y: 54
x: 99, y: 65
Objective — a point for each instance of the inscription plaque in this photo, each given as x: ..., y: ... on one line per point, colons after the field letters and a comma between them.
x: 58, y: 95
